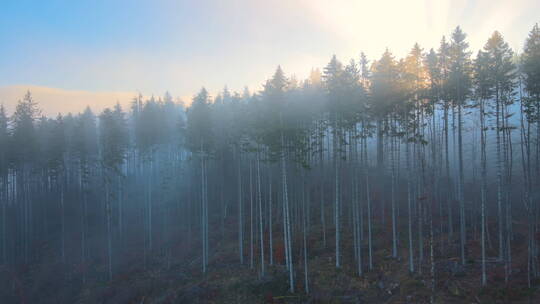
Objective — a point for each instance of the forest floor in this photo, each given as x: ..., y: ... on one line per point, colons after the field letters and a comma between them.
x: 177, y: 277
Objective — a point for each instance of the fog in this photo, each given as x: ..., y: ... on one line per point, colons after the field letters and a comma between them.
x: 412, y: 179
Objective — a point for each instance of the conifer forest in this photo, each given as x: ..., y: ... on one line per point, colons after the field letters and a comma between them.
x: 374, y: 180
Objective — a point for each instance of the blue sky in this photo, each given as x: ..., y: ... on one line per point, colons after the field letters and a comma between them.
x: 145, y: 45
x: 179, y: 46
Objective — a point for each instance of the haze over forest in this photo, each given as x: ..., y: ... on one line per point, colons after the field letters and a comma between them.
x: 173, y: 152
x: 65, y: 51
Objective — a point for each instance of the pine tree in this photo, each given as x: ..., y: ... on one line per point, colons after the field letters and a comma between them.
x: 530, y: 71
x: 200, y: 140
x: 4, y: 172
x: 84, y: 146
x: 56, y: 164
x: 531, y: 63
x: 501, y: 71
x: 113, y: 139
x: 459, y: 86
x: 483, y: 92
x: 25, y: 149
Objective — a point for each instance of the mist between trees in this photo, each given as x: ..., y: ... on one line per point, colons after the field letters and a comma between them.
x: 439, y: 149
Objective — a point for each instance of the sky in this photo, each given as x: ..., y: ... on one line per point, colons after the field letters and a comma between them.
x: 74, y: 53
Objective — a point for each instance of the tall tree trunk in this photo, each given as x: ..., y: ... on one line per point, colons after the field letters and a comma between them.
x: 483, y: 192
x: 109, y: 232
x: 448, y: 178
x: 393, y: 192
x: 259, y: 198
x: 461, y: 186
x: 240, y: 211
x: 337, y: 190
x: 287, y: 224
x: 499, y: 180
x: 368, y: 200
x: 63, y: 224
x: 409, y: 203
x: 251, y: 230
x: 304, y: 235
x: 270, y: 216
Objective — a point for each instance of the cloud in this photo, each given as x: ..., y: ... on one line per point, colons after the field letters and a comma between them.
x: 372, y: 26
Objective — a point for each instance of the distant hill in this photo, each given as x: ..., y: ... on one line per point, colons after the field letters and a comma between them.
x: 53, y: 101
